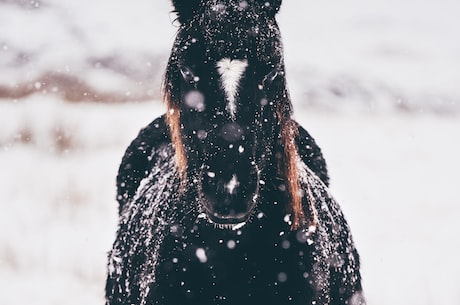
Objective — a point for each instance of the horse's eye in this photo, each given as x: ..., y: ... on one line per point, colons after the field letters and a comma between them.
x: 188, y: 75
x: 269, y: 78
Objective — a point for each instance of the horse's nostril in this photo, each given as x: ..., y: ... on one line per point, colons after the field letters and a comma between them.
x: 231, y: 132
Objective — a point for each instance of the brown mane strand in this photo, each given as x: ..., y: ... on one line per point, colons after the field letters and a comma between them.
x: 173, y: 122
x: 289, y: 169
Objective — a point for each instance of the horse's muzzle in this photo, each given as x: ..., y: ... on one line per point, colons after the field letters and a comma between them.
x: 229, y: 198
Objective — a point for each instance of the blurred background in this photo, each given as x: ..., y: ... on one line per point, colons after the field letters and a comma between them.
x: 376, y: 82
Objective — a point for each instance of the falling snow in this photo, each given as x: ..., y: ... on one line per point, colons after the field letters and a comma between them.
x: 73, y: 208
x: 195, y: 100
x: 91, y: 224
x: 231, y: 244
x: 201, y: 255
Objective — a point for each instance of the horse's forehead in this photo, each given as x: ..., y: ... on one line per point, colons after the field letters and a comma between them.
x: 229, y: 24
x: 231, y: 32
x: 221, y: 10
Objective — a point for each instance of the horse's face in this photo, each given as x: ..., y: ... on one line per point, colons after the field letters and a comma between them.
x: 228, y: 64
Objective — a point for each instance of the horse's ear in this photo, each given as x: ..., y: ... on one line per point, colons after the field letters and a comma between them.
x: 271, y: 6
x: 185, y: 9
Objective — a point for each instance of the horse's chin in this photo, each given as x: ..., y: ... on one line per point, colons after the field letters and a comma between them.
x: 224, y: 225
x: 229, y: 223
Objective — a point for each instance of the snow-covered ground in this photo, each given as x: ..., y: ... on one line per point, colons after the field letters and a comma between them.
x: 396, y: 176
x: 58, y: 165
x: 391, y: 68
x: 380, y: 54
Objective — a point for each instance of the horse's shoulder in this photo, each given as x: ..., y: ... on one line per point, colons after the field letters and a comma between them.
x: 332, y: 234
x: 140, y: 156
x: 311, y: 154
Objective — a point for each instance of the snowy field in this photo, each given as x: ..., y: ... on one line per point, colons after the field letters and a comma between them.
x: 377, y: 83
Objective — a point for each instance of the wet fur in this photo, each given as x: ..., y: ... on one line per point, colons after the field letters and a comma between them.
x: 295, y: 249
x: 136, y: 162
x: 153, y: 260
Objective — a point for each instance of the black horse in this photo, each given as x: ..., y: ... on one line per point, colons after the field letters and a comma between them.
x: 224, y: 200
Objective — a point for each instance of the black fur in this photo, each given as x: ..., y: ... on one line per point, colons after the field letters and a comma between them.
x: 267, y: 263
x: 187, y: 9
x: 166, y: 251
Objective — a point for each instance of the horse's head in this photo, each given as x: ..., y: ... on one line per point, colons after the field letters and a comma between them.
x: 228, y: 106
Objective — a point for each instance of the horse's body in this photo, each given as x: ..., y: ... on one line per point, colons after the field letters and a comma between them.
x: 178, y: 243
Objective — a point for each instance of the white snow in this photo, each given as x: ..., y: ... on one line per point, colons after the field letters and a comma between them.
x: 339, y: 55
x: 195, y: 100
x: 232, y: 185
x: 231, y: 244
x: 201, y: 255
x: 396, y: 176
x: 376, y: 54
x: 394, y: 173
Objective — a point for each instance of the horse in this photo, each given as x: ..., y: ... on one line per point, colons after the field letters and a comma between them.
x: 224, y: 199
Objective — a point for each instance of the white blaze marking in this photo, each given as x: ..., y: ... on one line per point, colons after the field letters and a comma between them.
x: 231, y: 72
x: 232, y: 184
